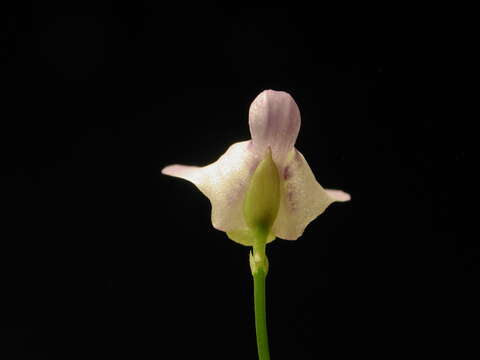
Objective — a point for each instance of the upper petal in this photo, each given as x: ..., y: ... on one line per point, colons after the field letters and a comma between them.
x: 224, y: 182
x: 303, y: 198
x: 274, y: 120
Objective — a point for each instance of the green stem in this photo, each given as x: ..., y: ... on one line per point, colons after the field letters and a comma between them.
x: 260, y: 315
x: 259, y: 265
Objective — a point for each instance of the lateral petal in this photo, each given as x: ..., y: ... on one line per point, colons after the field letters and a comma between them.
x: 224, y: 183
x: 338, y: 195
x: 303, y: 198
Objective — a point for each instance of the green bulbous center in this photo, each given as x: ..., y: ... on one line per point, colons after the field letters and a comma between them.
x: 262, y: 199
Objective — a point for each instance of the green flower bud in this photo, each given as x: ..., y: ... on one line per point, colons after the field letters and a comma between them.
x: 262, y: 199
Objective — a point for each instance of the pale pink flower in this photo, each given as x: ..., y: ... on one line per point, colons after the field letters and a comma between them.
x: 274, y: 120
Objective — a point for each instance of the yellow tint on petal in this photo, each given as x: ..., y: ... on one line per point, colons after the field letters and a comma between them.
x: 246, y: 237
x: 224, y: 183
x: 302, y: 200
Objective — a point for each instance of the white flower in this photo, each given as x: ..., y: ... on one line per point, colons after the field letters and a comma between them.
x: 274, y: 120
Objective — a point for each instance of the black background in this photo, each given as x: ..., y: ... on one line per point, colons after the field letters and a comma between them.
x: 101, y: 254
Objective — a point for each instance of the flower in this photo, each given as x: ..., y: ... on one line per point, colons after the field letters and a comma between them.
x: 274, y: 120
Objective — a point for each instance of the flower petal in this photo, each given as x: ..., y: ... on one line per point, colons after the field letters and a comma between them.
x: 338, y: 195
x: 190, y: 173
x: 274, y: 120
x: 303, y: 198
x: 246, y: 237
x: 224, y: 182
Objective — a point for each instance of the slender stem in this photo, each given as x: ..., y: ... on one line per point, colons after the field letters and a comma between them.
x: 260, y: 314
x: 259, y: 263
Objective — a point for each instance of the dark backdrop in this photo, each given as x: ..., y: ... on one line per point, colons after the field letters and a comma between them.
x: 100, y: 253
